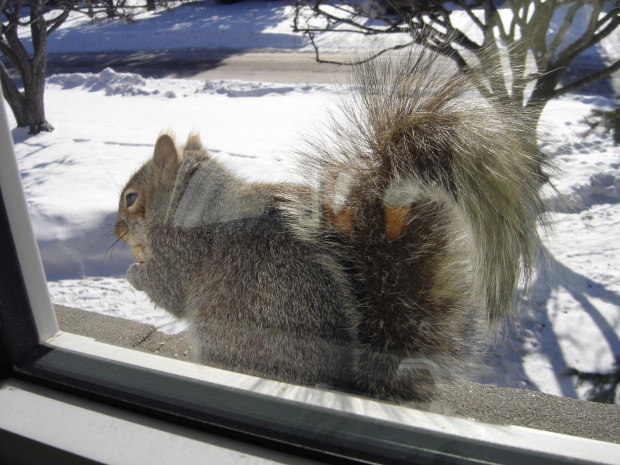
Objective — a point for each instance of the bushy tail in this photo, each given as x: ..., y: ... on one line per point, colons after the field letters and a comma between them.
x: 434, y: 193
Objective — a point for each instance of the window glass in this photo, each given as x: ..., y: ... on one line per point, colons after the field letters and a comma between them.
x: 239, y: 255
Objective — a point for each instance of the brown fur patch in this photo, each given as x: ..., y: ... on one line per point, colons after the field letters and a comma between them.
x: 396, y: 222
x: 341, y: 221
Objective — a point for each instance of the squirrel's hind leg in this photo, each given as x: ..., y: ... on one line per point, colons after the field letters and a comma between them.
x: 418, y: 321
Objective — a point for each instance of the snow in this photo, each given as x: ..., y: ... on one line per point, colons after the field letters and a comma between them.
x: 106, y: 125
x: 573, y: 318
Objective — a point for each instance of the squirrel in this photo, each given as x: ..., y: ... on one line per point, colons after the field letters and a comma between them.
x: 385, y: 274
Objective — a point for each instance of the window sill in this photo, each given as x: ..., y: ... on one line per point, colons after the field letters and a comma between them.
x: 41, y: 425
x: 492, y: 408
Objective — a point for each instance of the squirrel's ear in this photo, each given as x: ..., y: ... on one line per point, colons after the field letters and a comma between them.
x: 165, y: 155
x: 194, y: 143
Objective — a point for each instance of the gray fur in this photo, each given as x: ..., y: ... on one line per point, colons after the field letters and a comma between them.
x: 384, y: 276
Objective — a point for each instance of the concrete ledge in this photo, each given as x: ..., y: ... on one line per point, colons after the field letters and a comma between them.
x: 118, y: 331
x: 532, y: 409
x: 469, y: 400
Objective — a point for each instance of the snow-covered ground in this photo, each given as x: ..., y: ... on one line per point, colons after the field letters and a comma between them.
x: 106, y: 125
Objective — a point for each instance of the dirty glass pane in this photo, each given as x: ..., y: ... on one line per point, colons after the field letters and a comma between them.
x: 250, y: 240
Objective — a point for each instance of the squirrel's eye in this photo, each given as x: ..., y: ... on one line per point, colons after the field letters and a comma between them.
x: 130, y: 199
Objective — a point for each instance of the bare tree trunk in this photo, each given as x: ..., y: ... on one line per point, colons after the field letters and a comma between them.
x: 33, y: 107
x: 110, y: 9
x: 150, y: 5
x: 27, y: 106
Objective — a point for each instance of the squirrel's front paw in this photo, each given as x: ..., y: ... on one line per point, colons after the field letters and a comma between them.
x: 136, y: 275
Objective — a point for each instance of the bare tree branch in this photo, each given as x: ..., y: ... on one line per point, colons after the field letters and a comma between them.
x: 592, y: 78
x: 352, y: 63
x: 568, y: 22
x: 506, y: 39
x: 54, y: 23
x: 579, y: 47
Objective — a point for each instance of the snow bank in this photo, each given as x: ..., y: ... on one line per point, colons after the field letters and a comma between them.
x: 111, y: 82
